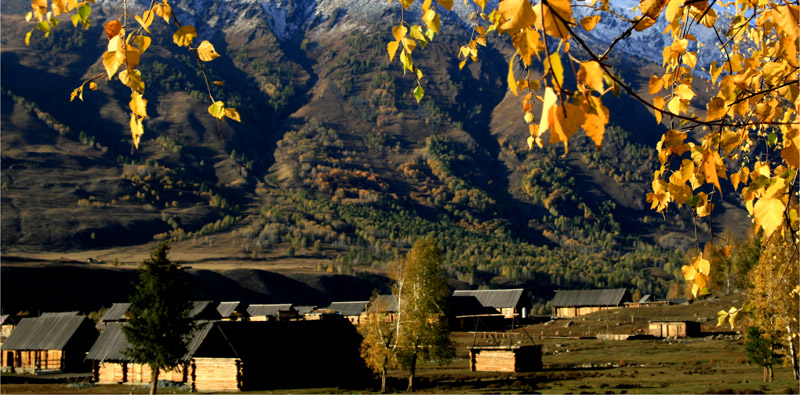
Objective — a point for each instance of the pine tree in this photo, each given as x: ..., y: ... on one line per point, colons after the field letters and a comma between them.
x: 422, y: 294
x: 159, y: 327
x: 762, y: 349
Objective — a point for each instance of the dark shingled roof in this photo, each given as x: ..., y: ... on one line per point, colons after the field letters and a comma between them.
x: 589, y: 297
x: 116, y: 312
x: 384, y: 300
x: 349, y: 308
x: 204, y: 310
x: 50, y: 331
x: 226, y: 309
x: 111, y: 344
x: 302, y: 310
x: 270, y: 310
x: 497, y: 298
x: 469, y: 305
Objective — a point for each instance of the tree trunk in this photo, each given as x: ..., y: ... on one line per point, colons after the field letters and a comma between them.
x: 153, y: 380
x: 766, y: 374
x: 771, y: 375
x: 383, y: 380
x: 793, y: 353
x: 413, y: 366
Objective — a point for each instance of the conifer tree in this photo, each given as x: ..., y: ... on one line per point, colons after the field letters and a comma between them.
x: 159, y: 327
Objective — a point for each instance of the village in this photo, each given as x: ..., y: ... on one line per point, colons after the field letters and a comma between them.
x: 259, y: 347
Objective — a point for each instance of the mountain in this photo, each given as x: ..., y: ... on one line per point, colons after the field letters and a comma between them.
x: 334, y: 158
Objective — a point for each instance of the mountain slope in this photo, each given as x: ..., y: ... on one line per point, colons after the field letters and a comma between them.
x: 334, y: 157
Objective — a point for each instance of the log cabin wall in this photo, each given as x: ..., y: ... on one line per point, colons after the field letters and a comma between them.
x: 216, y: 374
x: 111, y: 372
x: 515, y: 359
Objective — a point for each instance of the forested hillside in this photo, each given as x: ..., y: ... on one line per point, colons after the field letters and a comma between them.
x: 333, y: 157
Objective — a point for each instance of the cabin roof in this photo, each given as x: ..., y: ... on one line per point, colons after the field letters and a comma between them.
x: 112, y: 343
x: 301, y: 310
x: 50, y: 331
x: 116, y: 312
x: 349, y: 308
x: 497, y: 298
x: 383, y: 300
x: 226, y: 309
x: 589, y: 297
x: 267, y: 309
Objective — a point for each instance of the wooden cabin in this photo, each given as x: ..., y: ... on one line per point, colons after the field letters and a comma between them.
x: 204, y: 310
x: 352, y: 311
x: 505, y: 359
x: 674, y: 328
x: 111, y: 365
x: 466, y: 313
x: 7, y: 325
x: 226, y: 356
x: 646, y: 301
x: 385, y: 305
x: 52, y: 342
x: 271, y: 312
x: 118, y: 312
x: 509, y: 302
x: 232, y: 311
x: 576, y: 303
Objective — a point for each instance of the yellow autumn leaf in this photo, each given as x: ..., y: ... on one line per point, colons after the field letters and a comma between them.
x: 528, y: 43
x: 184, y: 36
x: 132, y: 79
x: 111, y: 62
x: 548, y: 103
x: 652, y: 8
x: 596, y: 117
x: 591, y: 74
x: 232, y: 114
x: 658, y: 103
x: 145, y: 20
x: 715, y: 109
x: 703, y: 265
x: 137, y: 130
x: 569, y: 118
x: 399, y: 32
x: 138, y: 105
x: 143, y: 42
x: 710, y: 159
x: 589, y: 22
x: 655, y: 85
x: 769, y: 214
x: 447, y: 4
x: 206, y: 51
x: 553, y: 63
x: 549, y: 17
x: 163, y: 10
x: 644, y: 23
x: 132, y: 56
x: 791, y: 151
x: 689, y: 272
x: 684, y: 92
x: 518, y: 14
x: 217, y: 109
x: 75, y: 92
x: 680, y: 193
x: 512, y: 81
x: 392, y: 48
